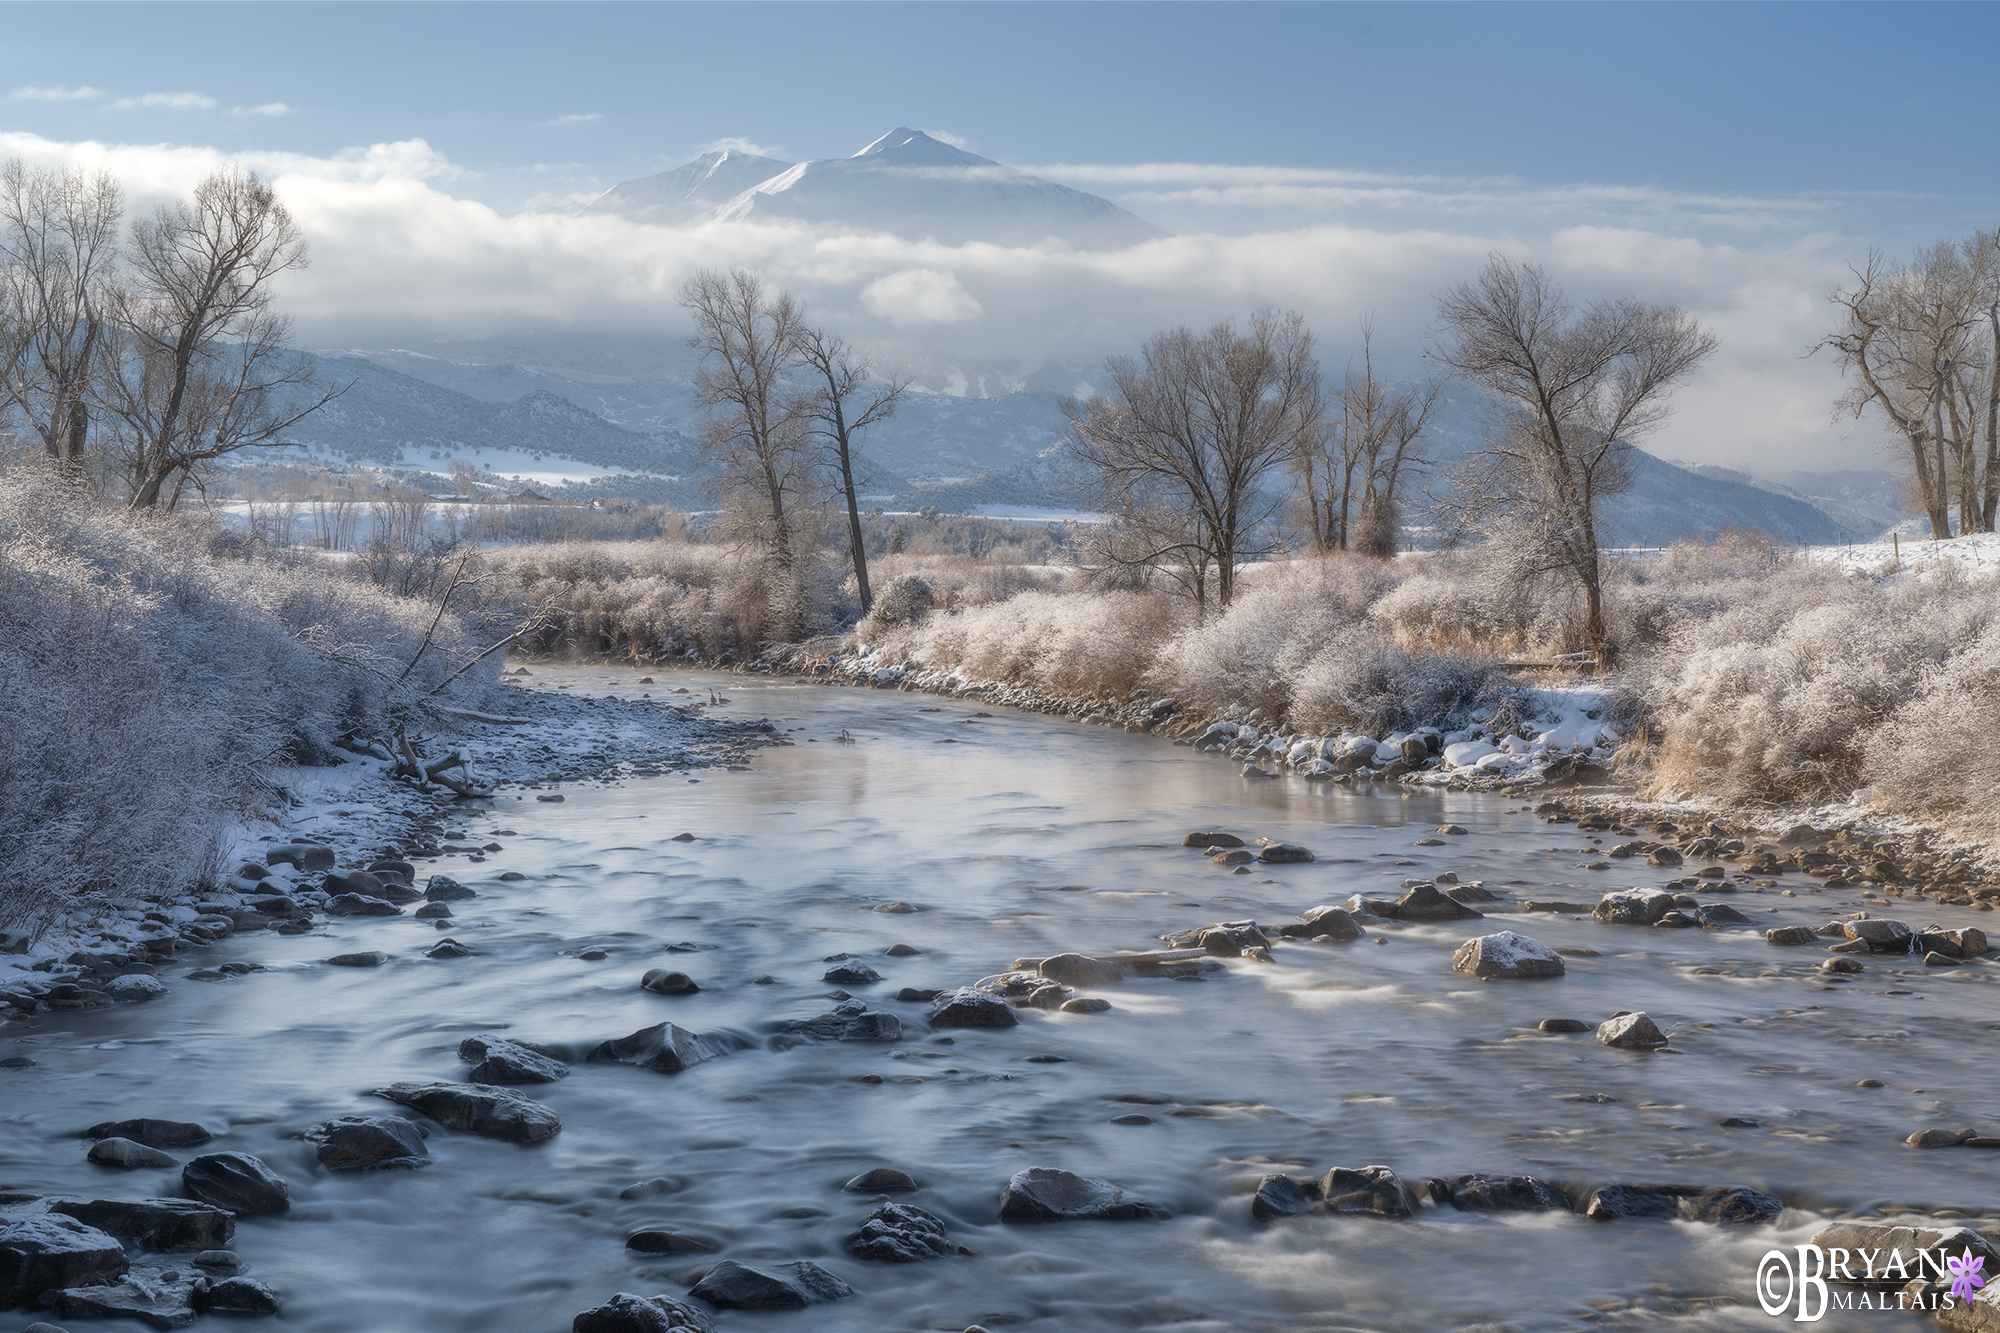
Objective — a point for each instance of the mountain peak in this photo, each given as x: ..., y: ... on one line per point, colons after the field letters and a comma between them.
x: 903, y: 145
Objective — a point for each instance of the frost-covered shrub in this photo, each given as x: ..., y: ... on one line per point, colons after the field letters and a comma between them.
x: 1937, y: 754
x: 1365, y: 683
x: 150, y: 677
x: 905, y: 601
x: 1073, y: 643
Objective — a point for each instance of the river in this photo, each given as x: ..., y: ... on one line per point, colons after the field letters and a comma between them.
x: 1017, y: 835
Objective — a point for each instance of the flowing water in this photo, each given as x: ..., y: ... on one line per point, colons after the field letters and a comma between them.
x: 1019, y: 835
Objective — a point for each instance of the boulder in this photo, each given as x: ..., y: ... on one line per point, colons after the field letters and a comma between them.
x: 663, y: 1048
x: 626, y: 1313
x: 134, y: 987
x: 1735, y: 1204
x: 1073, y: 969
x: 368, y: 1143
x: 1506, y: 955
x: 880, y: 1180
x: 1427, y: 902
x: 1281, y: 1196
x: 652, y: 1240
x: 1044, y: 1194
x: 54, y: 1251
x: 1893, y: 1249
x: 1564, y: 1025
x: 152, y: 1133
x: 1226, y: 938
x: 1284, y: 853
x: 497, y: 1060
x: 851, y: 974
x: 1940, y: 1138
x: 130, y: 1155
x: 1211, y: 840
x: 1085, y: 1004
x: 236, y: 1296
x: 445, y: 889
x: 1480, y: 1192
x: 1790, y: 935
x: 155, y: 1224
x: 662, y: 981
x: 793, y: 1286
x: 1367, y: 1189
x: 491, y: 1113
x: 1719, y: 916
x: 448, y: 948
x: 354, y: 904
x: 1232, y: 856
x: 304, y: 855
x: 236, y: 1181
x: 898, y: 1233
x: 969, y: 1007
x: 1881, y: 936
x: 850, y: 1020
x: 155, y: 1303
x: 353, y: 881
x: 1327, y: 922
x: 372, y: 958
x: 1633, y: 1031
x: 1633, y: 907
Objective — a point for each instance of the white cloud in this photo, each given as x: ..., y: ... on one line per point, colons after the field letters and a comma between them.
x: 398, y: 259
x: 53, y: 93
x: 166, y: 102
x: 573, y: 118
x: 265, y: 109
x: 736, y: 145
x: 946, y: 136
x: 918, y: 296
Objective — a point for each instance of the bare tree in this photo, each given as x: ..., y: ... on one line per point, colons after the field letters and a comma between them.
x: 838, y: 412
x: 757, y: 432
x: 201, y: 368
x: 1196, y: 426
x: 1373, y: 438
x: 1573, y: 389
x: 1921, y: 342
x: 58, y: 249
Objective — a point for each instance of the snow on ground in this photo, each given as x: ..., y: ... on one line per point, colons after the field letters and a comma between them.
x: 1977, y: 552
x: 545, y: 740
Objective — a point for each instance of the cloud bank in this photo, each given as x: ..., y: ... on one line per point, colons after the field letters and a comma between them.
x: 397, y: 258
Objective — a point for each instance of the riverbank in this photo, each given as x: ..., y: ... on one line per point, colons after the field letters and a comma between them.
x: 359, y: 812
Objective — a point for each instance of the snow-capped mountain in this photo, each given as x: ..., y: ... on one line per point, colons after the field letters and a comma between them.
x: 905, y: 183
x: 688, y: 193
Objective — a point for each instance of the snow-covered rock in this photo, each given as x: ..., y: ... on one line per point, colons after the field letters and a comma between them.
x: 1506, y: 954
x: 1467, y: 753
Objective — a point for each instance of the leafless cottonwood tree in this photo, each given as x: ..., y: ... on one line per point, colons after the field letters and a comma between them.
x: 1920, y: 342
x: 1192, y: 429
x: 58, y: 250
x: 840, y: 406
x: 1573, y: 389
x: 1374, y: 435
x: 758, y: 431
x: 199, y: 365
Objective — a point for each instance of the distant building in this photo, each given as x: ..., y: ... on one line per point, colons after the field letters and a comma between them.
x: 526, y: 497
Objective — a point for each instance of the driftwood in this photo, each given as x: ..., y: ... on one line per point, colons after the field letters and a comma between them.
x: 412, y: 767
x: 484, y: 717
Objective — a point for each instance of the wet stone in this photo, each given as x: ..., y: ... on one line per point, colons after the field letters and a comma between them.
x: 663, y: 1048
x: 54, y: 1251
x: 152, y: 1133
x: 1281, y: 1196
x: 1327, y: 922
x: 851, y: 974
x: 968, y: 1007
x: 881, y: 1180
x: 156, y: 1305
x: 627, y: 1313
x: 445, y: 889
x: 1043, y: 1194
x: 1367, y: 1189
x: 1479, y: 1192
x: 1631, y: 1031
x: 491, y: 1113
x: 237, y: 1296
x: 1506, y: 955
x: 653, y: 1240
x: 1563, y: 1025
x: 663, y: 981
x: 1211, y: 840
x: 372, y: 958
x: 497, y: 1060
x: 448, y: 948
x: 369, y: 1143
x: 236, y: 1181
x: 899, y: 1233
x: 792, y: 1286
x: 155, y: 1224
x: 128, y: 1154
x: 354, y: 904
x: 1735, y: 1205
x: 1085, y: 1004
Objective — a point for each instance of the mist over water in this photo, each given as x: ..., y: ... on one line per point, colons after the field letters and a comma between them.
x: 1017, y: 835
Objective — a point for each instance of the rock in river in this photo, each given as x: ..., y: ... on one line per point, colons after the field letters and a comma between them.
x: 130, y: 1155
x: 851, y: 974
x: 369, y: 1142
x: 1480, y: 1192
x: 1282, y: 1196
x: 1634, y: 1031
x: 1367, y: 1189
x: 1506, y: 954
x: 881, y: 1179
x: 54, y: 1251
x: 236, y: 1181
x: 354, y: 904
x: 969, y: 1007
x: 898, y: 1233
x: 497, y: 1060
x: 1327, y: 922
x: 663, y: 1048
x: 1427, y: 902
x: 1633, y: 907
x: 236, y: 1296
x: 1692, y: 1203
x: 1211, y: 840
x: 1891, y: 1251
x: 1074, y: 969
x: 445, y: 889
x: 491, y: 1113
x: 152, y: 1133
x: 662, y: 981
x: 1043, y: 1194
x: 792, y: 1286
x: 626, y: 1313
x: 155, y: 1224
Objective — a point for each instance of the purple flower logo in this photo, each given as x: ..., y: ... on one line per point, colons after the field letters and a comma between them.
x: 1965, y: 1274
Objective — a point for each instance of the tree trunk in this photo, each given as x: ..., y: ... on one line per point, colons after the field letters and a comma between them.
x: 1991, y: 500
x: 854, y: 526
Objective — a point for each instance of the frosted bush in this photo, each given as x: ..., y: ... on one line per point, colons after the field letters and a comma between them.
x: 905, y: 601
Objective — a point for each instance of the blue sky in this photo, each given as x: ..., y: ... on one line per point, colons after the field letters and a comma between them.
x: 1347, y: 159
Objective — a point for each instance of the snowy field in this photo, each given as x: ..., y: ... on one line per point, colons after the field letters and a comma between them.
x: 1977, y: 552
